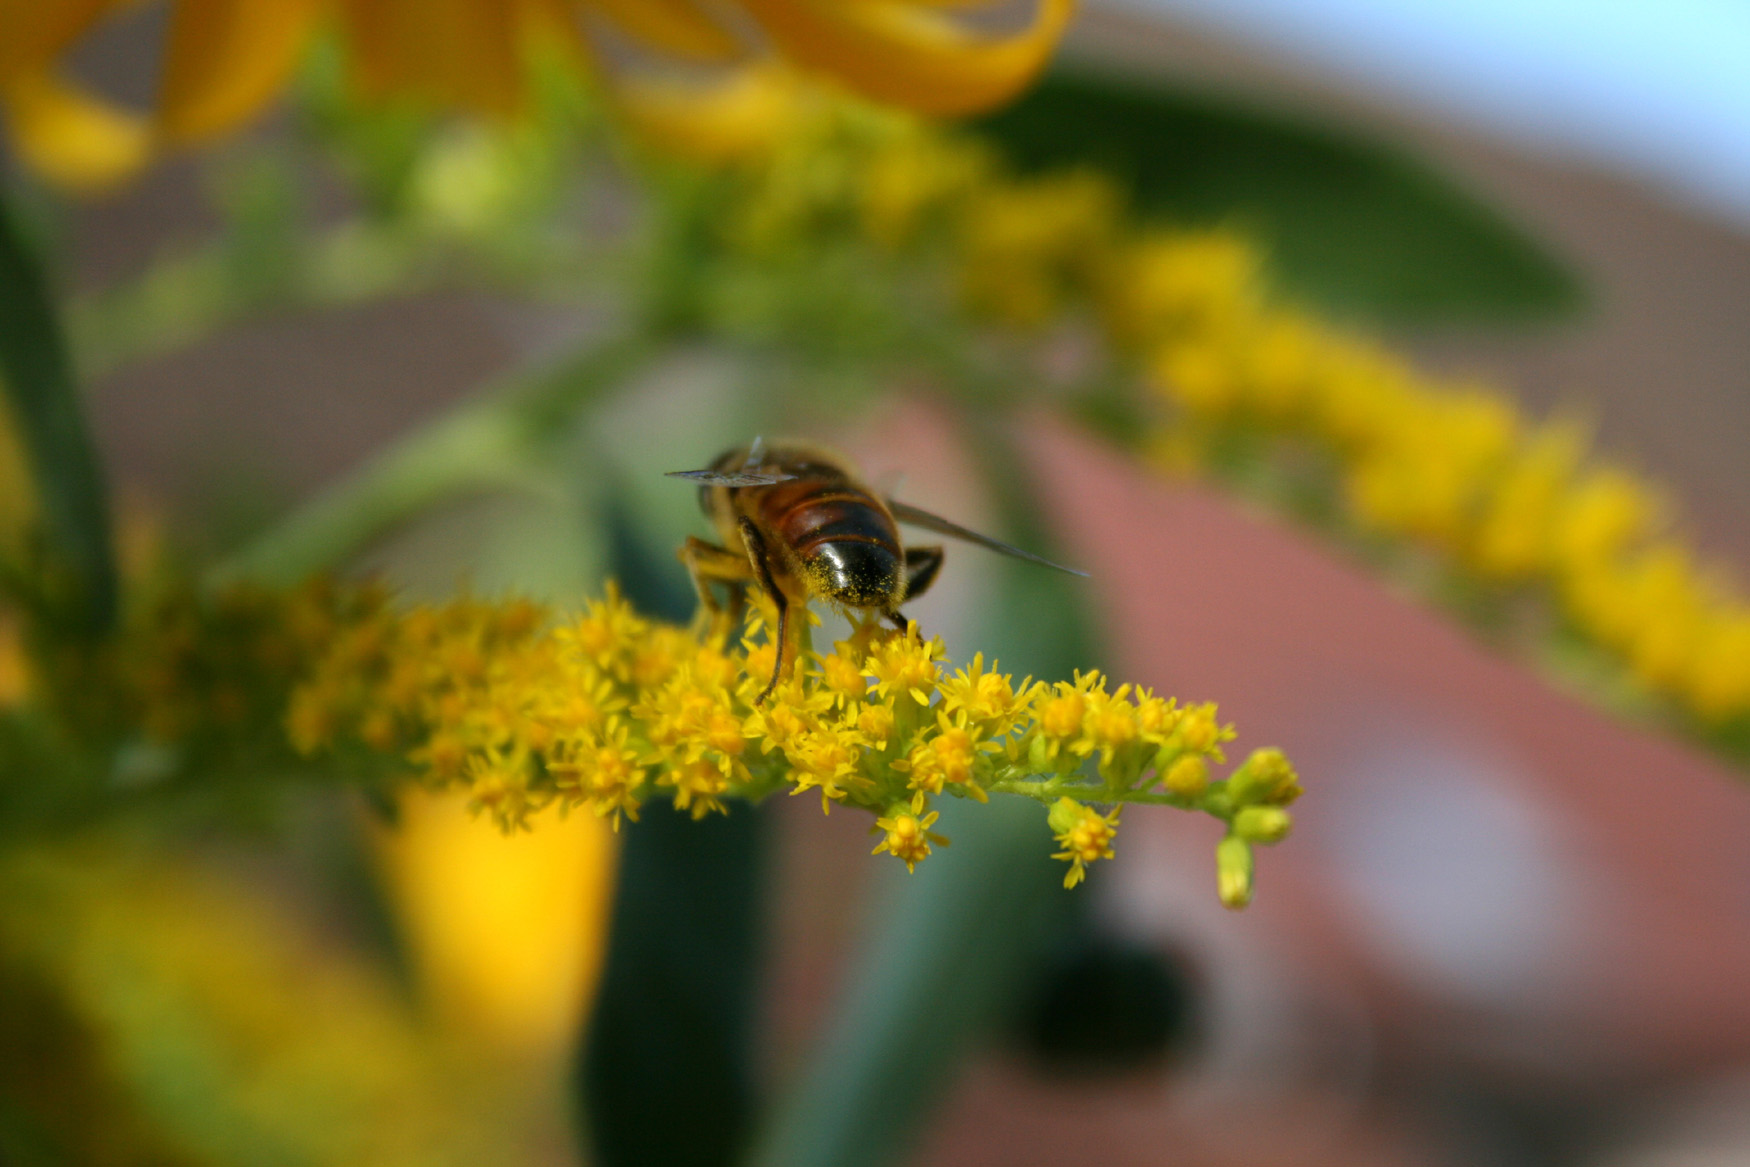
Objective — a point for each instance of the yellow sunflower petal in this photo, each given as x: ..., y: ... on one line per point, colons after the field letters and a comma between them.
x: 671, y: 26
x: 225, y: 59
x: 70, y: 137
x: 34, y: 32
x: 910, y: 54
x: 450, y: 52
x: 743, y: 112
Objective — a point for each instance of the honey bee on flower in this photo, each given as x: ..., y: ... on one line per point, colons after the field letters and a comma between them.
x: 797, y: 524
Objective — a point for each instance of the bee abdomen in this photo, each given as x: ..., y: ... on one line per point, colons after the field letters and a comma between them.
x: 829, y: 513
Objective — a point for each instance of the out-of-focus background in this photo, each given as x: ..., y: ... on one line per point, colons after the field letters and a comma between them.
x: 1509, y: 929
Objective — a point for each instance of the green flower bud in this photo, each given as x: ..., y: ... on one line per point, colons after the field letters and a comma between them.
x: 1265, y: 777
x: 1233, y: 872
x: 1187, y: 777
x: 1065, y: 814
x: 1263, y: 824
x: 1039, y: 755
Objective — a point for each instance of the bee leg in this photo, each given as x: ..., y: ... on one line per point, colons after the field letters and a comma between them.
x: 921, y: 567
x: 708, y: 563
x: 762, y: 573
x: 922, y: 564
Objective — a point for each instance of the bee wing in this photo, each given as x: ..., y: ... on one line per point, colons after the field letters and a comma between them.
x: 732, y: 477
x: 756, y: 455
x: 889, y: 483
x: 912, y: 516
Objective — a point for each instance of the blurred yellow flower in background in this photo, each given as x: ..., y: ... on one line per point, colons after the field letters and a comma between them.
x: 668, y: 61
x: 174, y: 1010
x: 505, y: 931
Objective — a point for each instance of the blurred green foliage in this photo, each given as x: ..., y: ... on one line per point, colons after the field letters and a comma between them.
x: 1350, y: 223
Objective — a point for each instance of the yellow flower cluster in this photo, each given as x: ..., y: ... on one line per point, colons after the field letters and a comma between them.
x: 607, y: 710
x: 142, y: 970
x: 1455, y: 468
x: 208, y: 675
x: 1510, y: 503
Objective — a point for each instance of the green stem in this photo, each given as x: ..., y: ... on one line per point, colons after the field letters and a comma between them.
x: 486, y: 443
x: 180, y: 300
x: 676, y: 1015
x: 51, y: 426
x: 1048, y: 789
x: 1036, y: 788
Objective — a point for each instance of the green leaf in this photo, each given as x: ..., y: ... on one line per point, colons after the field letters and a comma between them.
x: 667, y: 1069
x: 963, y: 935
x: 49, y: 418
x: 667, y: 1073
x: 944, y: 963
x: 1350, y: 223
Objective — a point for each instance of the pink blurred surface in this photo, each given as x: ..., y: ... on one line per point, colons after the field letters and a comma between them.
x: 1489, y: 879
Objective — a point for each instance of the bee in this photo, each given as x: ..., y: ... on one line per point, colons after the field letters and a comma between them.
x: 796, y: 523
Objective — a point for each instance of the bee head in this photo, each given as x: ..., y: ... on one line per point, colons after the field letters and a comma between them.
x: 857, y: 574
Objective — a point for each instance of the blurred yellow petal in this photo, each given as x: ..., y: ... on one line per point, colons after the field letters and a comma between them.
x: 506, y: 931
x: 225, y: 59
x: 14, y: 663
x: 744, y: 112
x: 910, y: 54
x: 70, y: 137
x: 34, y: 32
x: 204, y: 1022
x: 671, y: 26
x: 449, y: 52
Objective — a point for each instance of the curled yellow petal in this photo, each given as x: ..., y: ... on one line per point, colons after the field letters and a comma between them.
x: 70, y: 137
x: 742, y: 112
x: 225, y: 59
x: 911, y: 54
x: 679, y: 27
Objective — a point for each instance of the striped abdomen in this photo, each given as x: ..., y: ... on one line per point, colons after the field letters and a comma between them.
x: 839, y: 536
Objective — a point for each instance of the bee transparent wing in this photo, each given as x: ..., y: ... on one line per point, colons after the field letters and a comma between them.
x: 914, y: 517
x: 756, y: 455
x: 889, y: 484
x: 753, y: 472
x: 732, y: 477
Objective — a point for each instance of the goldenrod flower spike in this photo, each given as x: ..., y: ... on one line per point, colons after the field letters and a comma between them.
x: 1085, y: 834
x: 607, y: 710
x: 1508, y: 506
x: 523, y: 713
